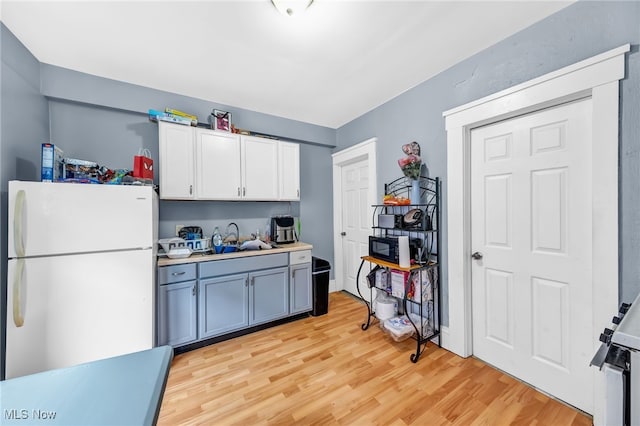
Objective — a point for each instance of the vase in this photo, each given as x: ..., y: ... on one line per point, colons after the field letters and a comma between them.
x: 414, y: 194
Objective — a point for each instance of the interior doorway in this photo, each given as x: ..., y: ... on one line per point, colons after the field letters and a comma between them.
x: 596, y: 78
x: 531, y: 228
x: 354, y: 192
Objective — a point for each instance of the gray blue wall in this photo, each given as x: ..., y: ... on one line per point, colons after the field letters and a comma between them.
x: 24, y: 124
x: 580, y: 31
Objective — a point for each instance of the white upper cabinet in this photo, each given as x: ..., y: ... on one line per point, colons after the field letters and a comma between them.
x: 259, y: 168
x: 204, y: 164
x: 176, y: 161
x: 218, y: 174
x: 289, y: 171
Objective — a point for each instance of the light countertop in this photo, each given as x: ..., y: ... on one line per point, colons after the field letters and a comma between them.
x: 284, y: 248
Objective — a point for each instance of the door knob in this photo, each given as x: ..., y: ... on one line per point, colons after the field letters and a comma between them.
x: 477, y: 255
x: 343, y: 233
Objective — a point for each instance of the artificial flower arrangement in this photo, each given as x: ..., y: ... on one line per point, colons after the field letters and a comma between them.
x: 411, y: 166
x: 412, y: 163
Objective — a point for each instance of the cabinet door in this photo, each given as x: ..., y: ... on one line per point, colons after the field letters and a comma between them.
x: 289, y: 171
x: 269, y: 295
x: 259, y: 168
x: 300, y: 288
x: 176, y: 161
x: 223, y: 305
x: 218, y: 165
x: 177, y: 314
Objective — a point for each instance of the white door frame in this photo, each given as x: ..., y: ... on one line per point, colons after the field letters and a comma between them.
x: 363, y: 151
x: 597, y: 77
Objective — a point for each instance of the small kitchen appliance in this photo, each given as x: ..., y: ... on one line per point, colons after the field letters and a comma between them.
x: 390, y: 221
x: 413, y: 219
x: 388, y: 248
x: 283, y: 229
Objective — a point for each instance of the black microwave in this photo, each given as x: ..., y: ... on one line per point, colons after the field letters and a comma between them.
x: 386, y: 248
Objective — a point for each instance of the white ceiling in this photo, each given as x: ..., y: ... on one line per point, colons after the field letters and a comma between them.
x: 336, y: 62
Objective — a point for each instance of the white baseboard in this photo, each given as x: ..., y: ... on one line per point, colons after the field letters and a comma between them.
x: 446, y: 341
x: 444, y: 338
x: 332, y: 286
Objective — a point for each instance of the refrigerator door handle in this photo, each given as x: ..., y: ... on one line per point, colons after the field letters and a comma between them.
x: 19, y: 299
x: 18, y: 242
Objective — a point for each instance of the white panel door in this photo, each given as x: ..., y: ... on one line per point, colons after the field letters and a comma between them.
x: 217, y: 165
x: 105, y: 217
x: 356, y: 223
x: 531, y: 223
x: 259, y: 168
x: 78, y: 308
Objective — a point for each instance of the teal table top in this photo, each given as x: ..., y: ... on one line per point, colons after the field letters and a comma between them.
x: 124, y: 390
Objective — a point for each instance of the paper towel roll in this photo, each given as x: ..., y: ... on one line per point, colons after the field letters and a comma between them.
x: 403, y: 251
x: 386, y: 309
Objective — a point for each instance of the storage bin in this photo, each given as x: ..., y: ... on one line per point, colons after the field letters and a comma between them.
x: 398, y: 328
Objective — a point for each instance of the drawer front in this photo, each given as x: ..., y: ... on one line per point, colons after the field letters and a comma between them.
x: 176, y: 273
x: 298, y: 257
x: 217, y: 268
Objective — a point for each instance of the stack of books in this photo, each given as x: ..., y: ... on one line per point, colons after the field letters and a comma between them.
x: 173, y: 116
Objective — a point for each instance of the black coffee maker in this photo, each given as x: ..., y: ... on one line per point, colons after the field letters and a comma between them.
x: 283, y: 230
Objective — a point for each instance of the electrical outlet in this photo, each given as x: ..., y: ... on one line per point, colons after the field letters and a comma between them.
x: 178, y: 228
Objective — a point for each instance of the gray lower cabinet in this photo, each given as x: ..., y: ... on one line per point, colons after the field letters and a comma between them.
x: 300, y: 288
x: 239, y: 293
x: 177, y: 304
x: 197, y: 301
x: 224, y: 305
x: 268, y: 295
x: 233, y: 302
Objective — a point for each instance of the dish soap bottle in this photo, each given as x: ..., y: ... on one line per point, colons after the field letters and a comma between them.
x: 217, y: 240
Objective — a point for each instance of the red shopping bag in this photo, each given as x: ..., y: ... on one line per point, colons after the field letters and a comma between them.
x: 143, y: 164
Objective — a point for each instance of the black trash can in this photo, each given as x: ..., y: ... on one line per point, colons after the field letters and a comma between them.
x: 320, y: 271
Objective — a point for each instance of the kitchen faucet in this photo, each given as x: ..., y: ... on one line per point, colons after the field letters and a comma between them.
x: 230, y: 237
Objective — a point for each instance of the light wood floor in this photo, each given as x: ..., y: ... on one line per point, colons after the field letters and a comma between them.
x: 326, y: 370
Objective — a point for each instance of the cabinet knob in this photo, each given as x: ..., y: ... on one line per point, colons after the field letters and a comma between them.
x: 190, y: 189
x: 175, y: 274
x: 193, y: 290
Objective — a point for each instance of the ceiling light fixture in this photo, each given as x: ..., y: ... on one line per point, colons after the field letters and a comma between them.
x: 291, y: 7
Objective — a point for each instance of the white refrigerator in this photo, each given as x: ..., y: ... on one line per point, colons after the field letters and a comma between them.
x: 81, y: 274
